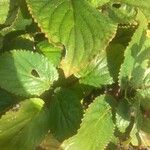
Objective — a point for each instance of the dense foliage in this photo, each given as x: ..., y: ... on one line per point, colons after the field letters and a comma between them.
x: 74, y: 74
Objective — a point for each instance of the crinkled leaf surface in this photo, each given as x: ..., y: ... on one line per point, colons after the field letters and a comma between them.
x: 4, y: 10
x: 96, y: 128
x: 26, y: 73
x: 65, y: 113
x: 83, y: 30
x: 136, y: 57
x: 23, y: 127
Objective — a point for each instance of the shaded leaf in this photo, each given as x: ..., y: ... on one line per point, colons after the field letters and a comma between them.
x: 65, y: 113
x: 123, y: 116
x: 6, y: 100
x: 4, y: 10
x: 98, y: 3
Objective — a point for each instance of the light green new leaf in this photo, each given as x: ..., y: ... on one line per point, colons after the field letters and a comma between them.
x: 83, y: 30
x: 136, y: 57
x: 96, y: 128
x: 123, y: 116
x: 23, y: 127
x: 51, y: 52
x: 4, y: 10
x: 65, y: 113
x: 26, y: 73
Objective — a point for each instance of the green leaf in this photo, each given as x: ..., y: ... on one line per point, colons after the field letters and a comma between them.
x: 96, y: 128
x: 146, y: 125
x: 4, y: 10
x: 98, y: 3
x: 71, y: 24
x: 20, y: 42
x: 23, y: 128
x: 12, y: 13
x: 97, y: 73
x: 145, y: 139
x: 65, y: 113
x: 49, y: 143
x: 50, y: 51
x: 26, y: 73
x: 138, y: 3
x: 121, y: 13
x: 6, y: 100
x: 136, y: 57
x: 143, y: 94
x: 123, y: 116
x: 116, y: 48
x: 143, y: 5
x: 138, y: 119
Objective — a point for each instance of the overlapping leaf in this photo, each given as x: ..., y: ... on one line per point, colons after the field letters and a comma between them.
x: 25, y: 127
x: 65, y: 113
x: 96, y: 128
x: 123, y: 116
x: 83, y: 30
x: 136, y: 57
x: 6, y: 100
x: 26, y: 73
x: 51, y: 52
x: 97, y: 73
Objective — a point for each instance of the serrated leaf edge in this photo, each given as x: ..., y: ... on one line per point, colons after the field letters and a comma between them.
x: 82, y: 121
x: 33, y: 53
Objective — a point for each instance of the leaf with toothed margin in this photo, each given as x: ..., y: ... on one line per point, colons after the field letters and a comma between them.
x: 96, y: 128
x: 136, y: 57
x: 83, y: 30
x: 97, y: 73
x: 26, y: 73
x: 25, y: 126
